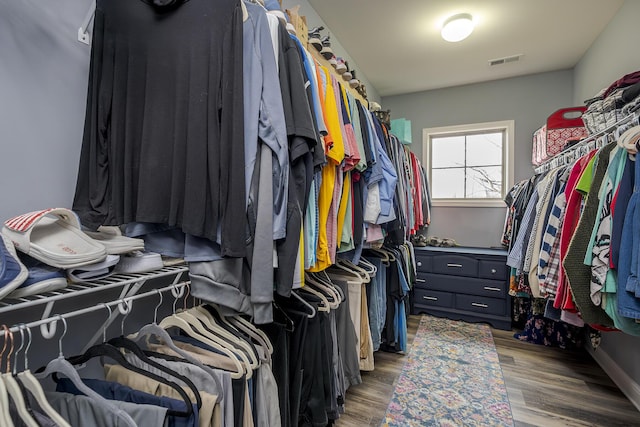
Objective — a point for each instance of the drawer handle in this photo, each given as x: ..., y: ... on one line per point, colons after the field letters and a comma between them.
x: 430, y: 298
x: 419, y: 264
x: 454, y: 265
x: 477, y: 304
x: 494, y: 271
x: 421, y: 281
x: 491, y: 288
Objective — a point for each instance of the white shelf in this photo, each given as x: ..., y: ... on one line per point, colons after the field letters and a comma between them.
x: 75, y: 290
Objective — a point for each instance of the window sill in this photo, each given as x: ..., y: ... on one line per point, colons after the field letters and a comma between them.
x: 469, y: 203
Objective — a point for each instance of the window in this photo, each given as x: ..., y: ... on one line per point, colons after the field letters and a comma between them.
x: 469, y: 165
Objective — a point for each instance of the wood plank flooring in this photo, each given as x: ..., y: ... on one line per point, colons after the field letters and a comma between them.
x: 547, y: 387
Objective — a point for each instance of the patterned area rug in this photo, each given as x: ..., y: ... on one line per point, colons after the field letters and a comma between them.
x: 452, y: 378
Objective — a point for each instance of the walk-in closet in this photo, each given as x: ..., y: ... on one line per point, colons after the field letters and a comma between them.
x: 238, y: 213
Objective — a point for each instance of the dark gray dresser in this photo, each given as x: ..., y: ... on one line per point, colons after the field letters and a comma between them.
x: 463, y: 283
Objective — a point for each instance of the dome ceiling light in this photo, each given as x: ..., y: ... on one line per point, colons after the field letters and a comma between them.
x: 457, y: 27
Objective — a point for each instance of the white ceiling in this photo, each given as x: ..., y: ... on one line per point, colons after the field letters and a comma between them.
x: 397, y: 44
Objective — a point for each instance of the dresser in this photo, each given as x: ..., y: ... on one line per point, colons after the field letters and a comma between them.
x: 463, y: 283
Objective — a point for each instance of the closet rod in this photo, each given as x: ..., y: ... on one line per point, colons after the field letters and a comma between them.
x: 102, y: 306
x: 547, y: 164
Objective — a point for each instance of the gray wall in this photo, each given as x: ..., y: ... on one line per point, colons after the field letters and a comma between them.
x: 527, y: 100
x: 43, y: 84
x: 612, y: 55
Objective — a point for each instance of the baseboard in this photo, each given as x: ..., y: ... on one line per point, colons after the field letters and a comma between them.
x: 628, y: 386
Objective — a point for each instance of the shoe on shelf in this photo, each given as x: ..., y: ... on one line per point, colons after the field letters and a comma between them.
x: 354, y: 82
x: 139, y: 262
x: 314, y: 37
x: 42, y: 278
x: 333, y: 61
x: 341, y: 67
x: 13, y: 272
x: 346, y: 75
x: 326, y: 51
x: 362, y: 90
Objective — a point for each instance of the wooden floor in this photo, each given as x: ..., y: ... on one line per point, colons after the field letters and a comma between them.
x: 547, y: 387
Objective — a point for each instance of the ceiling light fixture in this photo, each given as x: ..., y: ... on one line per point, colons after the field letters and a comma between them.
x: 457, y: 27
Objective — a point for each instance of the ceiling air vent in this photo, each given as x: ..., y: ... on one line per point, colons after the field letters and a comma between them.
x: 505, y: 60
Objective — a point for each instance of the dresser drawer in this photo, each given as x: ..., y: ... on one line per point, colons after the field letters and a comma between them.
x: 492, y: 269
x: 494, y: 306
x: 457, y: 265
x: 462, y: 285
x: 486, y: 288
x: 424, y: 263
x: 433, y: 298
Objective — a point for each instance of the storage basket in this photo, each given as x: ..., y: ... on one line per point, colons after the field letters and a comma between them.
x: 563, y: 126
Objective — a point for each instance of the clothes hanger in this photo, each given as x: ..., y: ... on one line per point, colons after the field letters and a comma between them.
x: 367, y: 266
x: 234, y: 341
x: 340, y: 265
x: 130, y: 345
x: 390, y: 254
x: 5, y: 419
x: 283, y: 316
x: 12, y: 386
x: 251, y: 330
x: 359, y: 270
x: 324, y: 302
x: 62, y: 366
x: 335, y: 300
x: 35, y: 388
x: 198, y: 321
x: 107, y: 350
x: 153, y: 329
x: 312, y: 310
x: 324, y: 278
x: 384, y: 255
x: 180, y: 323
x: 241, y: 324
x: 352, y: 277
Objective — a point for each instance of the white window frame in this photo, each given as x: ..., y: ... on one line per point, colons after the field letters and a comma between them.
x: 508, y: 126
